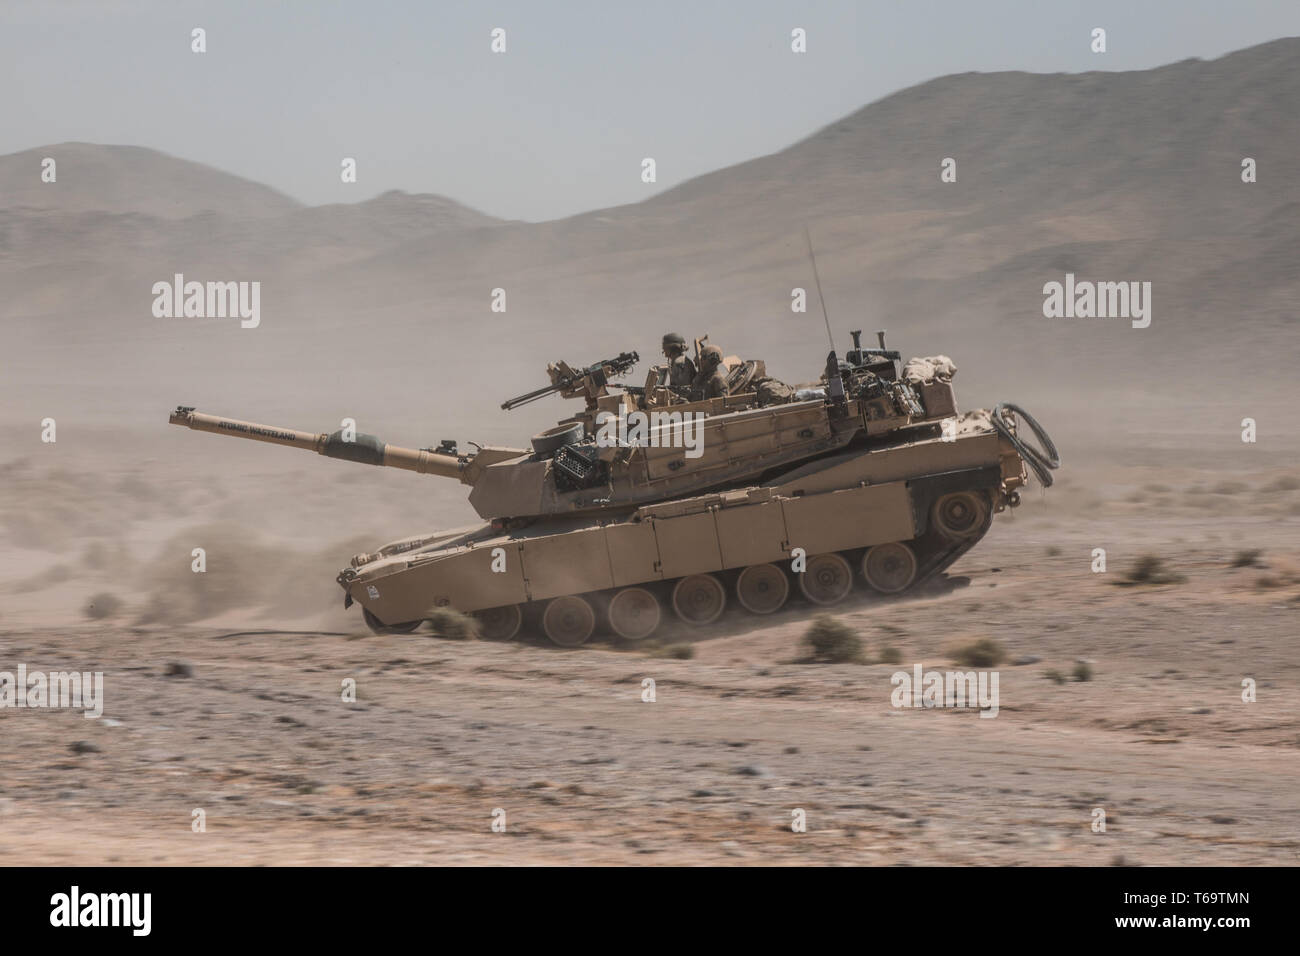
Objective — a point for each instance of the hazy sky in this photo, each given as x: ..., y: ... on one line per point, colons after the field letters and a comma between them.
x: 559, y: 123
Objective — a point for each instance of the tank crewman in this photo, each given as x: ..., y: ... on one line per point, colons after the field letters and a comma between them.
x: 711, y: 381
x: 681, y: 370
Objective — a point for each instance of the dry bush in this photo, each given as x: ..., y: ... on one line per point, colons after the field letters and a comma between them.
x: 983, y: 652
x: 1151, y: 569
x: 102, y: 605
x: 676, y: 651
x: 831, y: 640
x: 452, y: 625
x: 1230, y: 488
x: 1283, y: 483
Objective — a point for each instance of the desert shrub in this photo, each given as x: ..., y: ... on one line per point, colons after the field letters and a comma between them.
x: 1230, y: 488
x: 678, y: 651
x: 984, y: 652
x: 452, y: 625
x: 1151, y: 569
x: 890, y: 655
x: 1248, y: 558
x: 829, y: 639
x: 1055, y: 676
x: 1082, y: 671
x: 1284, y: 483
x: 102, y: 605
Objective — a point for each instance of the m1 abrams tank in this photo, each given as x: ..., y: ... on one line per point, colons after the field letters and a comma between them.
x: 647, y: 501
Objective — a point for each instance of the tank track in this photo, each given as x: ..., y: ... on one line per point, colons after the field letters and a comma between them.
x: 935, y: 553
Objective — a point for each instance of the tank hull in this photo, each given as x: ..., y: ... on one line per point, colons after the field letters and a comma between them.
x: 844, y: 504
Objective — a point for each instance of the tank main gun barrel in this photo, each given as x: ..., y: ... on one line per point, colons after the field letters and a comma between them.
x: 366, y: 449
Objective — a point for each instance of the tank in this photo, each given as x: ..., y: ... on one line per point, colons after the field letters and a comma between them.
x: 651, y: 500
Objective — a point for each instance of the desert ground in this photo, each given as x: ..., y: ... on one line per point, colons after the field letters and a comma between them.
x: 223, y: 690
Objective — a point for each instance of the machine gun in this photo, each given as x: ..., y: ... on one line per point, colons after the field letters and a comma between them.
x: 860, y: 356
x: 570, y: 382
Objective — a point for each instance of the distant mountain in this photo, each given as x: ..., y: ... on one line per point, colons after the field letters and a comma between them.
x: 131, y: 180
x: 392, y: 217
x: 1109, y: 176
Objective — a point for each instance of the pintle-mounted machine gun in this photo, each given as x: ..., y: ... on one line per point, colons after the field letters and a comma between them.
x: 589, y: 383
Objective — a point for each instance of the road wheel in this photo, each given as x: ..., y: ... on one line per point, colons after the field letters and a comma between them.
x: 634, y: 614
x: 762, y: 588
x: 499, y: 623
x: 828, y: 579
x: 960, y: 514
x: 889, y: 568
x: 699, y: 599
x: 569, y: 620
x: 379, y: 627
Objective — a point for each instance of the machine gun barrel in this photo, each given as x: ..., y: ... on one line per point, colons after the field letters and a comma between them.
x: 600, y: 373
x: 366, y: 449
x: 532, y: 396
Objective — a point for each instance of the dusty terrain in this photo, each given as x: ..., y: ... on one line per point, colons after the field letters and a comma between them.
x: 223, y: 689
x: 445, y: 732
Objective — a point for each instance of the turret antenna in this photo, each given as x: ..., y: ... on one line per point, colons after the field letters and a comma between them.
x: 817, y: 279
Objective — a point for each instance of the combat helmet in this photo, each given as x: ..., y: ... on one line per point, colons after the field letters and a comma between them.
x: 674, y: 342
x: 710, y: 357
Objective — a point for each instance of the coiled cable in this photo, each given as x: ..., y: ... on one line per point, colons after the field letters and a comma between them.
x: 1044, y: 461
